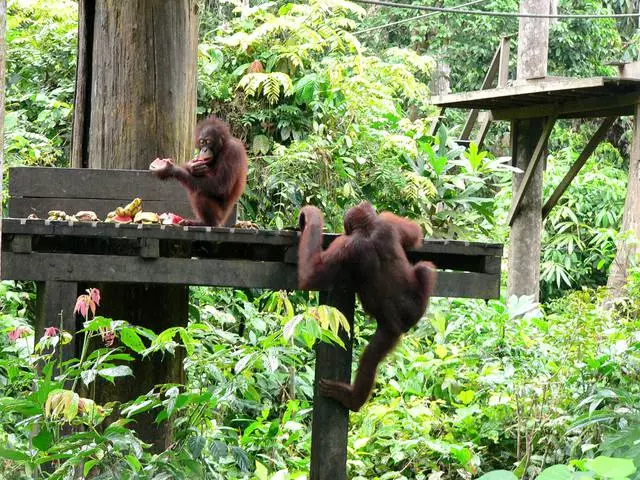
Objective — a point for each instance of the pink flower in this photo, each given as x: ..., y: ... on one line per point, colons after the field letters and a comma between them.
x: 51, y: 332
x: 18, y: 332
x: 88, y: 302
x: 94, y: 294
x: 82, y: 305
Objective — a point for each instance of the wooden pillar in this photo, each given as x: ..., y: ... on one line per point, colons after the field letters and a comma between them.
x: 627, y: 248
x: 524, y: 239
x: 135, y: 101
x: 330, y: 419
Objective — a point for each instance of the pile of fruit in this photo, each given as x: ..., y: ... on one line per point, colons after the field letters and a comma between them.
x: 131, y: 213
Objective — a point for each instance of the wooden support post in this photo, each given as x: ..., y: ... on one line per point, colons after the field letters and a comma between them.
x: 330, y: 419
x: 526, y: 226
x: 123, y: 120
x: 579, y: 163
x: 532, y: 166
x: 627, y: 247
x: 52, y: 300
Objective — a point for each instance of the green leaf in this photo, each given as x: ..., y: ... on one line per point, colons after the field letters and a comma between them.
x: 43, y: 440
x: 218, y: 450
x: 196, y: 445
x: 89, y: 464
x: 131, y: 339
x: 610, y: 467
x: 119, y: 371
x: 88, y: 376
x: 556, y: 472
x: 133, y: 462
x: 261, y: 471
x: 499, y: 475
x: 438, y: 163
x: 261, y: 145
x: 14, y: 455
x: 466, y: 396
x: 241, y: 458
x: 243, y: 362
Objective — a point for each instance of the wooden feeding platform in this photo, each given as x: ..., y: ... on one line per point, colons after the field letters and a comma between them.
x: 65, y: 256
x: 43, y: 250
x: 549, y: 96
x: 550, y: 99
x: 69, y: 251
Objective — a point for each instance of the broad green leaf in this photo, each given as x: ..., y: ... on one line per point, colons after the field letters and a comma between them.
x: 261, y: 471
x: 131, y: 339
x: 14, y: 455
x: 243, y: 362
x: 133, y: 462
x: 556, y: 472
x: 441, y: 351
x: 466, y: 396
x: 261, y: 145
x: 499, y: 475
x: 119, y: 371
x: 89, y: 464
x: 610, y: 467
x: 43, y: 440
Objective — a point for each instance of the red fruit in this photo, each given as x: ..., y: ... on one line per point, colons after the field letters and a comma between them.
x: 122, y: 219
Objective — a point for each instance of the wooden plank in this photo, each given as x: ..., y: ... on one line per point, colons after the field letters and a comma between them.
x: 484, y: 129
x: 586, y: 107
x: 149, y: 248
x: 533, y: 163
x: 435, y: 123
x: 45, y: 182
x: 23, y: 207
x: 578, y: 164
x: 330, y: 427
x: 219, y: 234
x: 55, y: 299
x: 492, y: 73
x: 67, y: 267
x: 457, y: 100
x: 20, y: 244
x: 503, y: 64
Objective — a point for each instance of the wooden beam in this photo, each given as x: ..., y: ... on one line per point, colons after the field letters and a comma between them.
x: 484, y: 129
x: 69, y: 267
x: 330, y: 427
x: 454, y: 100
x: 492, y: 73
x: 578, y: 164
x: 12, y: 226
x: 503, y: 66
x: 585, y: 107
x: 533, y: 163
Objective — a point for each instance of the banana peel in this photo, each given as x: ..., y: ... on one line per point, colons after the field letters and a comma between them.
x: 146, y: 218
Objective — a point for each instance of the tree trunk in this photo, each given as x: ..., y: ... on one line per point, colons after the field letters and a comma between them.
x: 524, y: 239
x: 138, y: 82
x: 627, y: 247
x: 135, y: 101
